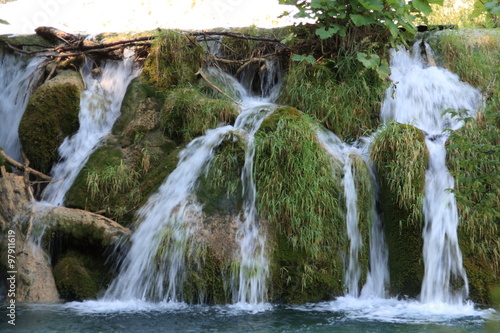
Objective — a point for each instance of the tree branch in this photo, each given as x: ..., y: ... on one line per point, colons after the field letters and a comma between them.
x: 20, y: 166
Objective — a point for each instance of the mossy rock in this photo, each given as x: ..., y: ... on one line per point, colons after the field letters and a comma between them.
x: 140, y: 111
x: 78, y: 195
x: 51, y: 115
x: 187, y: 113
x: 154, y: 179
x: 299, y: 194
x: 206, y: 280
x: 400, y: 155
x: 220, y: 189
x: 78, y: 277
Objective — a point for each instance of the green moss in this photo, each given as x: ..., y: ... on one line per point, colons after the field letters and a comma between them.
x: 400, y: 156
x: 205, y: 282
x: 299, y: 194
x: 108, y: 185
x: 25, y: 39
x: 187, y: 114
x: 137, y: 91
x: 153, y: 180
x: 342, y: 95
x: 51, y: 115
x: 174, y: 59
x: 78, y: 277
x: 220, y: 189
x: 366, y: 196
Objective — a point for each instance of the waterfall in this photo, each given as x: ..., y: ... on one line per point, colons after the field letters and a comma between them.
x: 423, y: 96
x: 154, y: 266
x: 341, y: 152
x: 16, y: 77
x: 171, y: 213
x: 100, y: 105
x: 254, y: 270
x: 378, y: 275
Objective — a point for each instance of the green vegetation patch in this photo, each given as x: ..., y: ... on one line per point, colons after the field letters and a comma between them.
x: 106, y: 185
x: 343, y: 96
x: 299, y: 194
x: 51, y: 115
x: 78, y: 277
x: 220, y: 187
x: 400, y: 156
x: 187, y: 113
x: 173, y: 60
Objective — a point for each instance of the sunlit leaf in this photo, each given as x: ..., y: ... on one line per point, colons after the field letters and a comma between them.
x: 377, y: 5
x: 360, y: 20
x: 423, y: 6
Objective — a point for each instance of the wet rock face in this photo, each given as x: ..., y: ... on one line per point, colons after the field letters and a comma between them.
x: 51, y: 115
x: 35, y: 279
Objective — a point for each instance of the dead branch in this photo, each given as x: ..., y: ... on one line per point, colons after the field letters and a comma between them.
x: 233, y: 35
x: 20, y: 166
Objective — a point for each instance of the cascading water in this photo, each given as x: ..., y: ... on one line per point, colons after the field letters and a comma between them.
x: 169, y: 213
x: 378, y: 275
x: 99, y: 108
x: 422, y: 96
x: 16, y: 76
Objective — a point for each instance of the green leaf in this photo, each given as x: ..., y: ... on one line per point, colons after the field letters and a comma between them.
x: 360, y: 20
x: 325, y: 33
x: 377, y: 5
x: 369, y: 60
x: 3, y: 22
x: 299, y: 57
x: 423, y: 6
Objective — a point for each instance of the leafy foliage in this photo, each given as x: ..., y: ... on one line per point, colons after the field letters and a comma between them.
x: 340, y: 17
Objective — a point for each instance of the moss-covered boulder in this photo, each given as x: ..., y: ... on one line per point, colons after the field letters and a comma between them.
x: 78, y: 277
x: 400, y: 156
x: 299, y: 194
x: 51, y: 115
x: 188, y: 113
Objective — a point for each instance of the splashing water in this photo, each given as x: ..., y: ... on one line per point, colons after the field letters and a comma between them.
x: 153, y: 269
x: 422, y: 96
x: 100, y: 105
x: 16, y: 77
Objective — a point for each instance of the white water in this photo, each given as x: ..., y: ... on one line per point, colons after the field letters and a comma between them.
x: 148, y: 275
x: 16, y: 75
x: 254, y: 266
x: 377, y: 275
x: 100, y: 105
x: 168, y: 213
x: 420, y: 95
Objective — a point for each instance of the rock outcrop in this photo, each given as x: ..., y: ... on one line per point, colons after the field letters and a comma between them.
x: 35, y: 279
